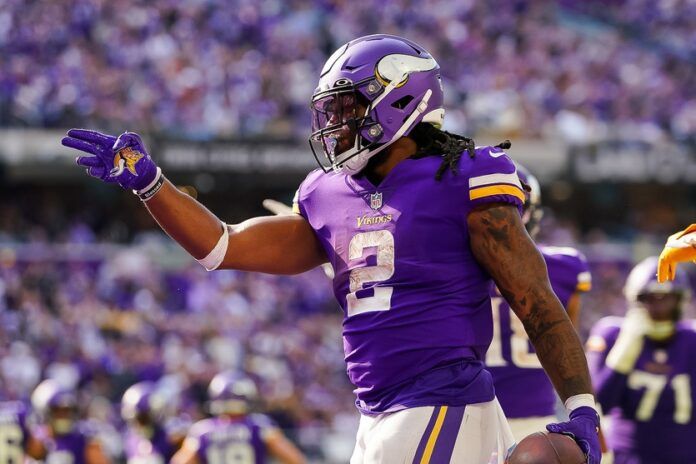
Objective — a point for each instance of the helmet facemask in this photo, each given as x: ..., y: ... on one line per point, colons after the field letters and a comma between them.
x: 338, y: 118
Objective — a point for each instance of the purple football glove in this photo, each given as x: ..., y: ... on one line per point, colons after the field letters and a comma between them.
x: 121, y: 160
x: 583, y: 427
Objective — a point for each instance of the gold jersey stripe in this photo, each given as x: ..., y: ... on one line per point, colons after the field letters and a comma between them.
x: 501, y: 189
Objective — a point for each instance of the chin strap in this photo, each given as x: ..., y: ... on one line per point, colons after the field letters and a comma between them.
x: 364, y: 157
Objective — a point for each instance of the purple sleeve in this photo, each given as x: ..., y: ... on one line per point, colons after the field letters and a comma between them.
x: 302, y: 194
x: 608, y: 384
x: 568, y: 271
x: 493, y: 179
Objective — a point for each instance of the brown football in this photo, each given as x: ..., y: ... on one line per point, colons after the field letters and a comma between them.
x: 547, y: 448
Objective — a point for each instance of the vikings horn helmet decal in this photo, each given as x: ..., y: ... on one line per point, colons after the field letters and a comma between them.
x: 393, y: 80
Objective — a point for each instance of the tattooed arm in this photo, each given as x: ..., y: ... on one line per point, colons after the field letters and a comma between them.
x: 502, y: 246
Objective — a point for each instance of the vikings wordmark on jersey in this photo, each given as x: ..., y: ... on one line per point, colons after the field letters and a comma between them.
x: 417, y: 318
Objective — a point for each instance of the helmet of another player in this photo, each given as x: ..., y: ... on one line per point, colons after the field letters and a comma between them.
x: 532, y: 206
x: 372, y: 91
x: 55, y: 405
x: 231, y: 393
x: 142, y: 405
x: 663, y: 302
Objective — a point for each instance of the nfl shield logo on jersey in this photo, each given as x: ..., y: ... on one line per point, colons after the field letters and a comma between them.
x: 376, y: 200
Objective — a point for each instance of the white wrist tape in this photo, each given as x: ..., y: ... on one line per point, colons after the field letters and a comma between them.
x: 151, y: 184
x: 217, y: 254
x: 578, y: 401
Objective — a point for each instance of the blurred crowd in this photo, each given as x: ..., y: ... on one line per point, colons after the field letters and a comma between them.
x: 101, y: 321
x: 214, y: 68
x: 101, y: 317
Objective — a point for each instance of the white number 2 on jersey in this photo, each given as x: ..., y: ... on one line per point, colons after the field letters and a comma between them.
x: 363, y: 277
x: 519, y: 342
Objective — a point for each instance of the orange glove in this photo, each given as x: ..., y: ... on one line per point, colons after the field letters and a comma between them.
x: 679, y: 248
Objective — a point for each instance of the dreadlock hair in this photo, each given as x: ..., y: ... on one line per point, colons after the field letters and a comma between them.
x: 432, y: 141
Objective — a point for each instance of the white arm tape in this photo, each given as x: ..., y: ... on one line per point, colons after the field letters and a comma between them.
x: 217, y: 254
x: 577, y: 401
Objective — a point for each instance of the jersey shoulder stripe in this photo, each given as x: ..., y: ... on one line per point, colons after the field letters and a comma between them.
x: 492, y: 190
x: 492, y: 177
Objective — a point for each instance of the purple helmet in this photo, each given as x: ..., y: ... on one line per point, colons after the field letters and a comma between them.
x: 395, y: 80
x: 55, y: 405
x: 231, y: 393
x: 142, y: 399
x: 642, y: 280
x: 49, y: 394
x: 532, y: 205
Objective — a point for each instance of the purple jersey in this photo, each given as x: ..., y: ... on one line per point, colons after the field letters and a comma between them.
x: 521, y: 385
x: 156, y: 449
x: 417, y: 317
x: 651, y: 409
x: 223, y: 440
x: 68, y: 448
x: 13, y: 432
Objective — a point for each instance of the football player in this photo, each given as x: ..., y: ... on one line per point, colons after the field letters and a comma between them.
x: 412, y: 261
x: 643, y: 368
x: 234, y: 435
x: 680, y: 247
x: 523, y: 389
x: 147, y: 439
x: 65, y: 439
x: 16, y: 439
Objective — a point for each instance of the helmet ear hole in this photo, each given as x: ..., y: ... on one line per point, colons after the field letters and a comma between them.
x: 402, y: 102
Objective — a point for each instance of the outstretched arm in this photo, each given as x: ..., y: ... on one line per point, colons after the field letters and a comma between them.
x: 502, y: 246
x: 276, y: 245
x: 272, y: 244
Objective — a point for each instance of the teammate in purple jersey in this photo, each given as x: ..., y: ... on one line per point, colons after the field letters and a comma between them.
x: 521, y: 385
x: 16, y: 439
x: 644, y: 367
x: 148, y: 440
x: 412, y: 262
x: 234, y: 434
x: 65, y: 440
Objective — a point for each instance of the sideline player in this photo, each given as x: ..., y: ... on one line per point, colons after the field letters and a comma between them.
x: 65, y: 439
x: 147, y: 439
x: 412, y: 261
x: 521, y: 385
x: 644, y: 367
x: 234, y: 435
x: 680, y: 247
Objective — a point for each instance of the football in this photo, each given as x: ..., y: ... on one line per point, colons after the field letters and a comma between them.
x: 547, y: 448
